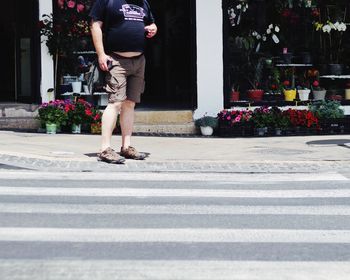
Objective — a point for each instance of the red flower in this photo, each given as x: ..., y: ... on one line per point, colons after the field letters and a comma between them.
x: 315, y: 83
x: 286, y: 83
x: 88, y: 112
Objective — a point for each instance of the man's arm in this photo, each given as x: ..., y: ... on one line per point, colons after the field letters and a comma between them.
x: 97, y: 38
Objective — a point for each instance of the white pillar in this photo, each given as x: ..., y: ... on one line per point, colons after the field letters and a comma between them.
x: 47, y: 67
x: 209, y: 57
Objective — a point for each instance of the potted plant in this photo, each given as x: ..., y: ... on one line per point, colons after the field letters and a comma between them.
x: 290, y: 93
x: 262, y: 119
x: 52, y: 115
x: 254, y: 76
x: 95, y: 117
x: 234, y: 95
x: 304, y: 91
x: 331, y: 27
x: 78, y: 112
x: 235, y: 123
x: 331, y: 116
x: 207, y: 124
x: 318, y: 92
x: 279, y: 121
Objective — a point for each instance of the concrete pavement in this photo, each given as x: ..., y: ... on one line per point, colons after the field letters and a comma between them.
x: 269, y: 154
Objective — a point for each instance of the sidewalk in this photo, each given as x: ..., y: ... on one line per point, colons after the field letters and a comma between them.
x: 274, y: 154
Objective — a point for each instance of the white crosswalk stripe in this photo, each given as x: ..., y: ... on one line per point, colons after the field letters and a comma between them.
x: 226, y: 229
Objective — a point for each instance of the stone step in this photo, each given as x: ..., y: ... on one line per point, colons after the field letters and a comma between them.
x: 22, y: 117
x: 155, y: 117
x: 175, y: 128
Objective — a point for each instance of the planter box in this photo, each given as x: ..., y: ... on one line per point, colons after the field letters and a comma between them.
x: 238, y: 130
x: 335, y: 126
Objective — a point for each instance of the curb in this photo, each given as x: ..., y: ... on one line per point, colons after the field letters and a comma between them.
x: 22, y: 162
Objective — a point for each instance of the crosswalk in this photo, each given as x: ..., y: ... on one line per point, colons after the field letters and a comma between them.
x: 106, y: 226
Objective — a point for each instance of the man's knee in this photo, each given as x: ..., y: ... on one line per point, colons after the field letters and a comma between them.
x: 128, y: 104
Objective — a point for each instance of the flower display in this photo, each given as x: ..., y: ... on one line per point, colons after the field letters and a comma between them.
x: 61, y: 30
x: 233, y: 117
x: 53, y: 113
x: 302, y: 118
x: 78, y: 112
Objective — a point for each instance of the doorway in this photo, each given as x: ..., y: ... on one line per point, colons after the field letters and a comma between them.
x: 19, y: 52
x: 171, y: 57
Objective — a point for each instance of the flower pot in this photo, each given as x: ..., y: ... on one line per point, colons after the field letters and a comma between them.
x: 76, y: 128
x: 319, y: 94
x: 290, y: 95
x: 95, y: 128
x: 234, y: 96
x: 278, y: 131
x: 261, y: 131
x: 255, y: 94
x: 347, y: 94
x: 76, y: 87
x: 304, y: 94
x: 335, y: 69
x: 51, y: 128
x: 207, y: 130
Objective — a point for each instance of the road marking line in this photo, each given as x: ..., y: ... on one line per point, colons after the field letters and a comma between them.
x: 44, y: 208
x: 176, y: 176
x: 174, y: 235
x: 215, y: 193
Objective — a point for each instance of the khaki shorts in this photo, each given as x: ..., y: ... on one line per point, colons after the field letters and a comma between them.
x: 126, y: 79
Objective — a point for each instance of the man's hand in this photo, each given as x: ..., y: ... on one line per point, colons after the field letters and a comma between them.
x: 103, y: 61
x: 151, y: 30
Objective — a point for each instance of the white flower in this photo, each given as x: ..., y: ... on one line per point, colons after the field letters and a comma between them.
x: 268, y: 31
x: 275, y: 39
x: 277, y: 29
x: 342, y: 27
x: 255, y: 33
x: 264, y: 38
x: 239, y: 6
x: 258, y: 37
x: 326, y: 28
x: 271, y: 26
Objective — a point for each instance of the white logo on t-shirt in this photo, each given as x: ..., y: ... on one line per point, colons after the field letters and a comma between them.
x: 133, y: 12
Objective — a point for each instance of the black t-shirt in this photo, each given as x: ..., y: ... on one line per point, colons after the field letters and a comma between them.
x: 124, y: 23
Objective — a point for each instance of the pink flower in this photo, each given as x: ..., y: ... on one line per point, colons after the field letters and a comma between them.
x: 71, y: 4
x: 80, y: 8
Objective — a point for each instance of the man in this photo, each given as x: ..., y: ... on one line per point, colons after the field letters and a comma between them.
x: 126, y: 24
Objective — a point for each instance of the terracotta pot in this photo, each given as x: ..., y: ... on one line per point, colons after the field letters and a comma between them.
x: 255, y: 94
x: 234, y: 96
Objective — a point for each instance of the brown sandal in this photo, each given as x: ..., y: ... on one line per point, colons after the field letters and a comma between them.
x: 132, y: 153
x: 110, y: 156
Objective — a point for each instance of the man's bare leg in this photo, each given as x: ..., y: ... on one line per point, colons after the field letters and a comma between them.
x: 109, y: 120
x: 127, y: 122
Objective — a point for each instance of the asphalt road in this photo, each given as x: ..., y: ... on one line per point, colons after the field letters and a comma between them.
x: 166, y: 226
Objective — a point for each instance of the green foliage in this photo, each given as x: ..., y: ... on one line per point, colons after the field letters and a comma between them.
x: 327, y: 109
x: 52, y: 115
x: 207, y: 121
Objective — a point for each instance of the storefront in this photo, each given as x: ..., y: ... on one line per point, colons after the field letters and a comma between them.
x: 185, y: 67
x: 19, y: 52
